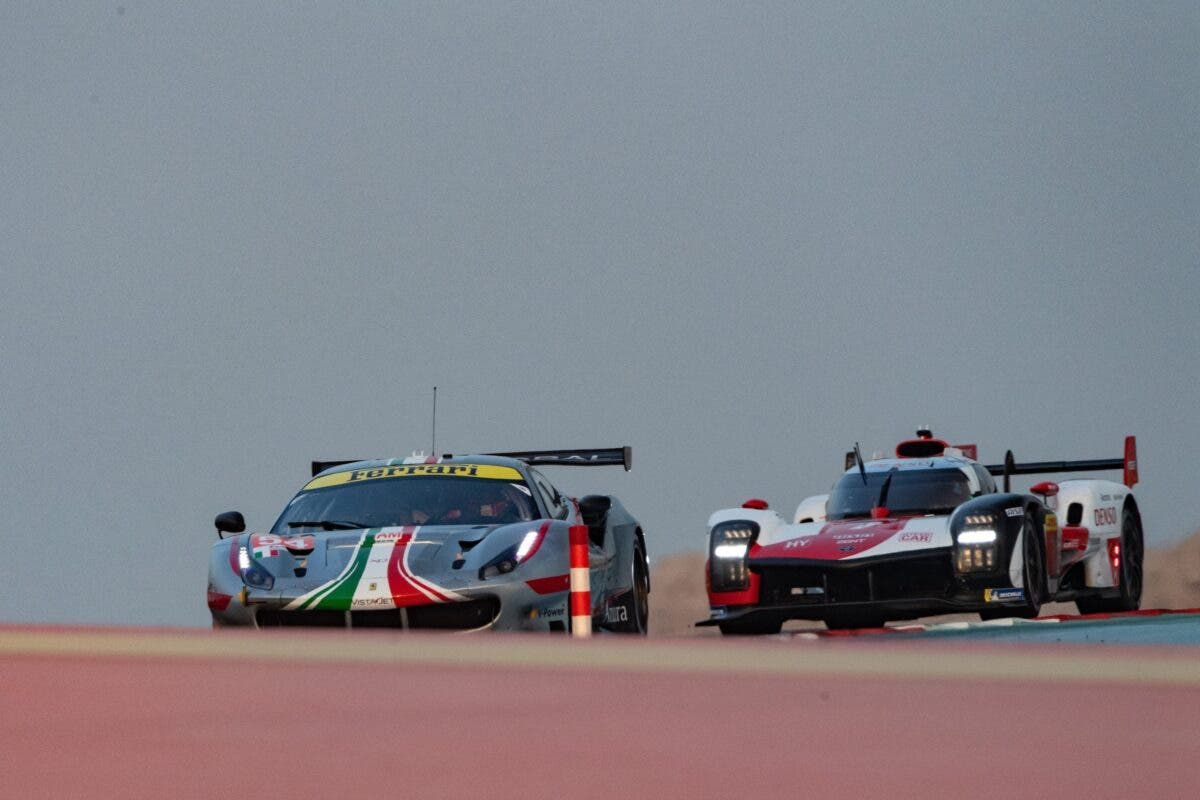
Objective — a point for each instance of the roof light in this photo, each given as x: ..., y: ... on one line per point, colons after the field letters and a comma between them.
x: 755, y: 503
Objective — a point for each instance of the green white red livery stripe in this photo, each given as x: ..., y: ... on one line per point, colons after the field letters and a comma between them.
x: 377, y: 576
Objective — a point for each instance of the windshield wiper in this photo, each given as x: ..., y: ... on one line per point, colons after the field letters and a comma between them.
x: 883, y: 492
x: 328, y: 524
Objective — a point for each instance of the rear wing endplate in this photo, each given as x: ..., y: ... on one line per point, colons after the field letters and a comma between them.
x: 1127, y: 464
x: 606, y: 457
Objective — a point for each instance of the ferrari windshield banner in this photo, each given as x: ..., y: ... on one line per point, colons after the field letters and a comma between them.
x: 490, y: 471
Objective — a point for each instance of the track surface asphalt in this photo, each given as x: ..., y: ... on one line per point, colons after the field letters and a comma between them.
x: 185, y: 713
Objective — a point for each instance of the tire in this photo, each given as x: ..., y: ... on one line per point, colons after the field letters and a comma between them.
x: 1132, y: 555
x: 637, y: 600
x: 1033, y: 572
x: 750, y: 627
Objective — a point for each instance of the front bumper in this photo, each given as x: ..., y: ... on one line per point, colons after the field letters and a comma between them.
x: 513, y: 606
x: 906, y: 587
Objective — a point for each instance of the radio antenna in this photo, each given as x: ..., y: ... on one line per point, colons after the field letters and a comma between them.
x: 433, y: 446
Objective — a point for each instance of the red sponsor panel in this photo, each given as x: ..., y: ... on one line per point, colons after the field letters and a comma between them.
x: 836, y: 540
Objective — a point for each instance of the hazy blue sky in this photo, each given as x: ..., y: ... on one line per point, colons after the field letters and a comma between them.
x: 737, y: 237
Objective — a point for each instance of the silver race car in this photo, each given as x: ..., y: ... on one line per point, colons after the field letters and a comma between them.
x: 457, y: 542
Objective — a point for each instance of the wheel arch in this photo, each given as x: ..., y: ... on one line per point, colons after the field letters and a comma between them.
x: 1131, y: 505
x: 640, y: 538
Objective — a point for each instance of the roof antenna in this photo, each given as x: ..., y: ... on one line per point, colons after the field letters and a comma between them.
x: 433, y: 445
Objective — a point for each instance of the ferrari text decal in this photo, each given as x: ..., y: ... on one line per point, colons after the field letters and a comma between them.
x: 421, y: 470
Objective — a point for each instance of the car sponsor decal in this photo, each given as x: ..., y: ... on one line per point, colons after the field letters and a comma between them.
x: 489, y: 471
x: 852, y: 538
x: 1015, y: 511
x: 266, y: 545
x: 377, y: 576
x: 1000, y: 595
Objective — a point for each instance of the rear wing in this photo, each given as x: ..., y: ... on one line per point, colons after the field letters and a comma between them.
x: 1127, y: 464
x: 612, y: 456
x: 607, y: 457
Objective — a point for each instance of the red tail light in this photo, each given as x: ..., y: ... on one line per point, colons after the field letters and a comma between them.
x: 1114, y: 559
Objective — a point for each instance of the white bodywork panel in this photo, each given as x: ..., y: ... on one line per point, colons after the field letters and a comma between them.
x: 1103, y: 503
x: 811, y: 508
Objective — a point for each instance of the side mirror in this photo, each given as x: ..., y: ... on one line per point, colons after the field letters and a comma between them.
x: 229, y: 522
x: 594, y: 509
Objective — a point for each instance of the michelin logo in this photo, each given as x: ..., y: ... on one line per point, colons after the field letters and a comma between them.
x: 1000, y: 595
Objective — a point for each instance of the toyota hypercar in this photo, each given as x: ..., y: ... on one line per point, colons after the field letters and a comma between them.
x: 929, y: 532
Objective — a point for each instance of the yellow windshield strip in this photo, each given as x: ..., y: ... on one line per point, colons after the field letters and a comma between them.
x: 490, y: 471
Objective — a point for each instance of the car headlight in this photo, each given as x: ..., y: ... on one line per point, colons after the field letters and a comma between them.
x: 728, y: 544
x: 254, y: 574
x: 513, y: 556
x: 975, y: 544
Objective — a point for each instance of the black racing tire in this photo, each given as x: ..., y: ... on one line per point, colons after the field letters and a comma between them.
x: 636, y: 602
x: 640, y: 612
x: 1033, y: 571
x: 1132, y: 561
x: 750, y: 627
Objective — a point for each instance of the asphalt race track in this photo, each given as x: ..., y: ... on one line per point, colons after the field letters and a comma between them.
x: 188, y: 713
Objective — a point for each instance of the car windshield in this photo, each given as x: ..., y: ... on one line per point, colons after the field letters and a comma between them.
x: 910, y: 491
x: 412, y: 500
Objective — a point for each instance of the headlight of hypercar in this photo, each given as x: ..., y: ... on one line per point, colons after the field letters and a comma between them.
x: 975, y: 544
x: 254, y: 574
x: 728, y: 545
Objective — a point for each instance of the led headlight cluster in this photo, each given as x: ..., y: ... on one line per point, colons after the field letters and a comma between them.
x: 727, y: 548
x: 515, y: 555
x: 254, y: 574
x: 975, y: 544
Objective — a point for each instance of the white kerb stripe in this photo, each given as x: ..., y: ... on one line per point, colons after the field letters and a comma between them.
x: 580, y: 580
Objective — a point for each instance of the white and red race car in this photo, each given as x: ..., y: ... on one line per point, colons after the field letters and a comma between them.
x: 929, y: 532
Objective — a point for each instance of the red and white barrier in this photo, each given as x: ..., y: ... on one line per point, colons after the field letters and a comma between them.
x: 581, y: 586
